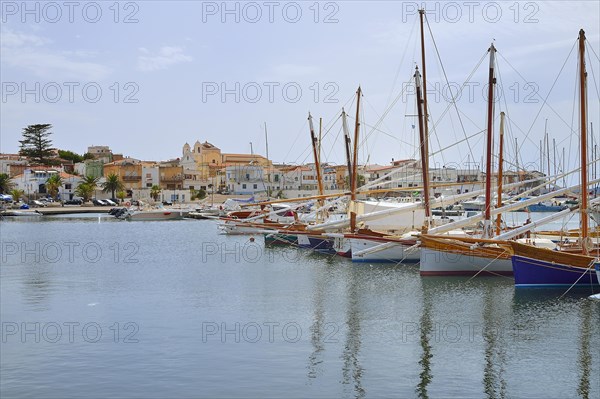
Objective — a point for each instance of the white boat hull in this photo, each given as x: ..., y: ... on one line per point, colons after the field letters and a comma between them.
x: 154, y: 215
x: 440, y: 263
x: 394, y: 252
x: 238, y: 228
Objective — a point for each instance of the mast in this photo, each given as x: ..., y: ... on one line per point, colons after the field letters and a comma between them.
x: 268, y: 167
x: 424, y: 82
x: 424, y: 148
x: 347, y: 143
x: 500, y: 170
x: 354, y: 180
x: 583, y: 108
x: 554, y: 157
x: 315, y: 146
x: 517, y: 159
x: 547, y: 139
x: 487, y: 228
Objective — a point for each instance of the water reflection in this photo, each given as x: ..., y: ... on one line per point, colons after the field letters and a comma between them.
x: 426, y: 324
x: 585, y: 356
x: 37, y: 287
x: 352, y: 371
x: 495, y: 348
x: 317, y: 335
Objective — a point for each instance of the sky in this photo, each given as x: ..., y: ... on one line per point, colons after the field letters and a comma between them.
x: 145, y: 77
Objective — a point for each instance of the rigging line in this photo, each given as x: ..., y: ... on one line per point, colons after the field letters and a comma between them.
x: 453, y: 102
x: 308, y: 147
x: 375, y: 128
x: 545, y: 100
x: 593, y: 74
x: 590, y: 47
x: 409, y: 39
x: 386, y: 112
x: 294, y: 143
x: 446, y: 78
x: 573, y: 113
x: 337, y: 136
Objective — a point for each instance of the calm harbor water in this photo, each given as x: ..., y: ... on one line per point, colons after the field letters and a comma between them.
x: 94, y: 307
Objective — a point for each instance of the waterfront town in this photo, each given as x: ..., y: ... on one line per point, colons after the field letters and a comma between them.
x: 205, y: 167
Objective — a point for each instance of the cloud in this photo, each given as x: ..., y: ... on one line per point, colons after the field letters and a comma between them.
x: 165, y: 57
x: 31, y: 52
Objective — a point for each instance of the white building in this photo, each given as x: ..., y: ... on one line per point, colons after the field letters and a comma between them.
x: 33, y: 183
x: 246, y: 179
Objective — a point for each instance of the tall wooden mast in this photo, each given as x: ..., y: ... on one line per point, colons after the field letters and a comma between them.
x: 424, y: 82
x: 354, y: 180
x: 583, y: 108
x: 487, y: 228
x: 347, y: 143
x: 424, y: 129
x: 424, y: 147
x: 315, y: 145
x: 500, y: 170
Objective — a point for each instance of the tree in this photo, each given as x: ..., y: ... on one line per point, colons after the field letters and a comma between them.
x: 113, y: 183
x: 88, y: 155
x: 87, y: 187
x: 5, y: 183
x: 201, y: 194
x: 85, y: 191
x: 91, y: 181
x: 70, y: 156
x: 155, y: 192
x: 17, y: 194
x: 36, y: 143
x: 53, y: 184
x: 359, y: 182
x: 121, y: 195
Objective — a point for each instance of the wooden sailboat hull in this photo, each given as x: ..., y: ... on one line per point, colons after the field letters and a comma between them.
x: 530, y: 272
x: 441, y: 256
x: 543, y: 267
x: 392, y: 252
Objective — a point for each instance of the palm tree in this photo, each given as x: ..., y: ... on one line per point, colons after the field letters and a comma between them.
x: 91, y: 181
x: 85, y: 190
x: 17, y: 194
x: 155, y: 192
x: 53, y: 184
x: 113, y: 183
x: 5, y: 183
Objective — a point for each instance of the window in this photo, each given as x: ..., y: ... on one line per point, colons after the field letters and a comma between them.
x: 276, y: 177
x: 255, y: 186
x: 67, y: 186
x: 243, y: 186
x: 148, y: 184
x: 247, y: 176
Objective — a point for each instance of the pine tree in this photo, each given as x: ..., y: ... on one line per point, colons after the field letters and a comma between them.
x: 36, y: 143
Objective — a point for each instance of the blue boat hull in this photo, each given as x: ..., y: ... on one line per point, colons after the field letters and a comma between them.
x: 319, y: 244
x: 530, y: 272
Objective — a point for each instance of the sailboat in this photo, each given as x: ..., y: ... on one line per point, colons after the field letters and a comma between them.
x: 465, y: 255
x: 543, y: 267
x: 365, y: 245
